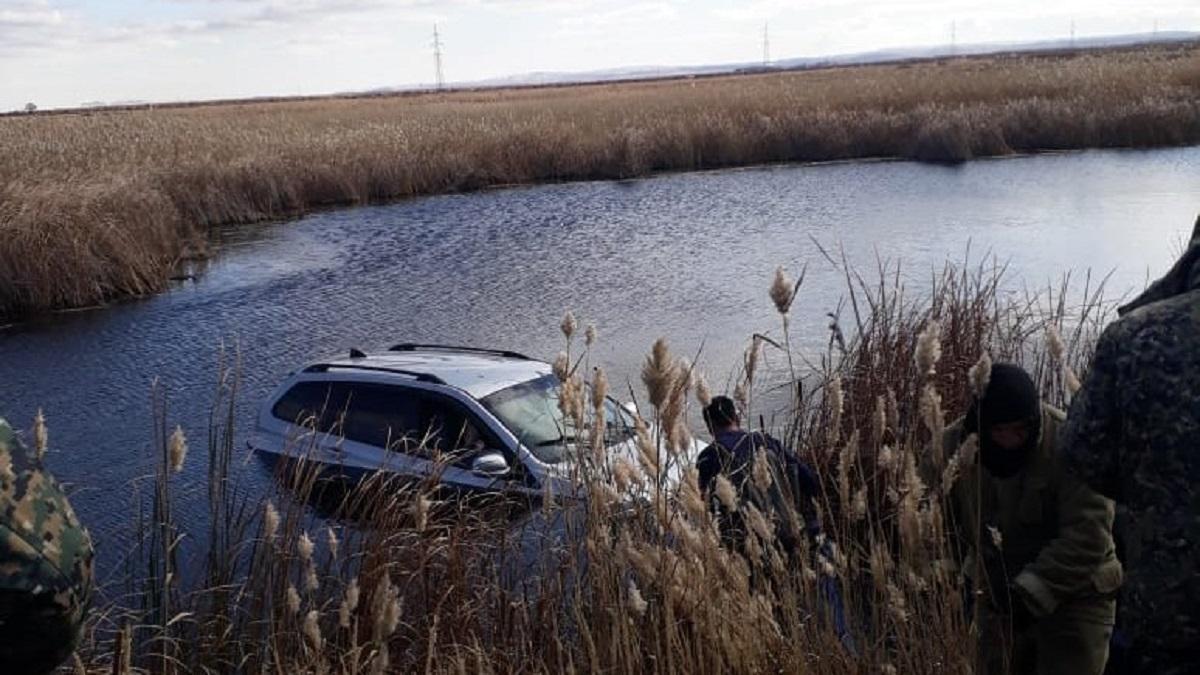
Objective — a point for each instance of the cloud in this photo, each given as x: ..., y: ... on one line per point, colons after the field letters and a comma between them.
x: 38, y: 25
x: 760, y: 10
x: 267, y: 13
x: 29, y: 26
x: 59, y: 30
x: 29, y: 15
x: 28, y: 23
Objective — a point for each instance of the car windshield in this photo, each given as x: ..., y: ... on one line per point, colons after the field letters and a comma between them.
x: 530, y: 411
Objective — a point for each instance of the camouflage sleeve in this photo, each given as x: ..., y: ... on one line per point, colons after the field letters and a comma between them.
x: 1091, y: 442
x: 45, y: 563
x: 1065, y: 566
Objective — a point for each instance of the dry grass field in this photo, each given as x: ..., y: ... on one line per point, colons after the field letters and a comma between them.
x: 103, y: 204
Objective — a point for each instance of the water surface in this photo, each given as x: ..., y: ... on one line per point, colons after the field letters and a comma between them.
x: 689, y: 256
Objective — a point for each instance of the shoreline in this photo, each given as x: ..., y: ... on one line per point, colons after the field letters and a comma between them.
x: 176, y: 282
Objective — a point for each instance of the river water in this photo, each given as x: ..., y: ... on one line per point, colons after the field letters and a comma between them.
x: 689, y: 256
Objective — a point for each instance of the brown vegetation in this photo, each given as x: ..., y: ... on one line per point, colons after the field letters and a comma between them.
x: 99, y: 205
x: 641, y: 581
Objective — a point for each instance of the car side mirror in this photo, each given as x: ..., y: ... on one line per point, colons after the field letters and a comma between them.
x: 490, y: 465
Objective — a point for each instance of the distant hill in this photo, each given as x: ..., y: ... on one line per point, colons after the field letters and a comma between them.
x: 545, y: 78
x: 132, y: 103
x: 859, y: 58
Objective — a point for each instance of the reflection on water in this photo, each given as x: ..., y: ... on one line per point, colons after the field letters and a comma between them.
x: 689, y: 256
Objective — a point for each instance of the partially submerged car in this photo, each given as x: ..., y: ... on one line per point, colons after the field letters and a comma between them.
x: 477, y: 419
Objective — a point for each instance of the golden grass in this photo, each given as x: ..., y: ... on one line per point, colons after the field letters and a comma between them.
x: 639, y: 581
x: 100, y: 205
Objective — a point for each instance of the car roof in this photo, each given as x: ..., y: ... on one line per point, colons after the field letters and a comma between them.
x: 477, y: 372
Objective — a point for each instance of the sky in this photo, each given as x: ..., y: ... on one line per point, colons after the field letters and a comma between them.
x: 63, y: 53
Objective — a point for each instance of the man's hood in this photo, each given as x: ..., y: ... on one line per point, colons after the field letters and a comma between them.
x: 1180, y: 279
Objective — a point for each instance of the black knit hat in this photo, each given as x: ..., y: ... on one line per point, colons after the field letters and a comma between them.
x: 1011, y: 396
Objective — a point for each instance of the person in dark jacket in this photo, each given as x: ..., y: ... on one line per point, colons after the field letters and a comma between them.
x: 1133, y: 434
x: 788, y: 499
x: 732, y: 454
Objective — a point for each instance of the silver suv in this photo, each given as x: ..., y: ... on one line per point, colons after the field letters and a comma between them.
x: 480, y: 419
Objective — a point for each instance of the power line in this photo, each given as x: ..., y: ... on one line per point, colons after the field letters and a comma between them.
x: 439, y: 76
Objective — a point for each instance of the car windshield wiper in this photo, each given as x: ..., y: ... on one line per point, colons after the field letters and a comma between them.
x: 561, y: 440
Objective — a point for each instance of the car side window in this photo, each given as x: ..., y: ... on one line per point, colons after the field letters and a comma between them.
x: 400, y: 419
x: 380, y: 415
x: 375, y: 414
x: 454, y: 433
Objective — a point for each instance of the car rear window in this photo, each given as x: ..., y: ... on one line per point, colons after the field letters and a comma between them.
x: 303, y: 403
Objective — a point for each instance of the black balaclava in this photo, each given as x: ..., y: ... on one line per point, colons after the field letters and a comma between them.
x: 1011, y: 396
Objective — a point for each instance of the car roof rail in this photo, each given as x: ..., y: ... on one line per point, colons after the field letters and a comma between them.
x: 419, y: 377
x: 415, y: 347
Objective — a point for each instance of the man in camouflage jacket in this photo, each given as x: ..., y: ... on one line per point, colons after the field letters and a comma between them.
x: 1036, y: 542
x: 1134, y: 435
x: 45, y: 564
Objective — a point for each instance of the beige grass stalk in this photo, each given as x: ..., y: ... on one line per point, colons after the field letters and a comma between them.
x: 40, y: 435
x: 1058, y: 352
x: 636, y: 602
x: 658, y: 373
x: 331, y: 542
x: 836, y: 400
x: 349, y: 604
x: 562, y: 366
x: 599, y: 418
x: 980, y: 375
x: 569, y: 325
x: 305, y: 547
x: 703, y: 393
x: 270, y: 520
x: 177, y: 449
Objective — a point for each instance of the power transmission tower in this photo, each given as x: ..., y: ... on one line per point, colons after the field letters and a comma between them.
x: 953, y: 38
x: 439, y: 76
x: 766, y: 44
x: 1072, y: 33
